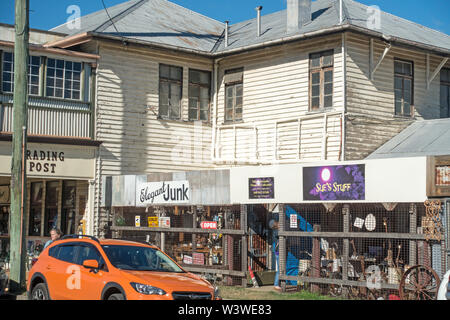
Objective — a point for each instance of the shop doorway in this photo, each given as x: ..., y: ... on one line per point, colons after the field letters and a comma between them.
x: 260, y: 253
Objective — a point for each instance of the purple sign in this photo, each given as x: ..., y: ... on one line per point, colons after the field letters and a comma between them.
x: 330, y: 183
x: 261, y: 188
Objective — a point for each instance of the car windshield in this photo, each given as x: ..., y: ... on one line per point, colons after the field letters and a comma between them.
x: 139, y: 259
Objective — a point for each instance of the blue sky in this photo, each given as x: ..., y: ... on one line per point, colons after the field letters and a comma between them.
x: 46, y: 14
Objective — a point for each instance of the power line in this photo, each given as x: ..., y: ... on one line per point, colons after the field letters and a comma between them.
x: 106, y: 10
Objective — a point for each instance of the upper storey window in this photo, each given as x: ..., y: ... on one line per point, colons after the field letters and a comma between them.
x: 321, y: 67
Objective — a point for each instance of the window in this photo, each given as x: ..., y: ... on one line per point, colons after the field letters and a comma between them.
x: 34, y: 64
x: 234, y: 93
x: 67, y: 253
x: 35, y: 209
x: 445, y: 93
x: 321, y: 80
x: 68, y: 207
x: 63, y: 79
x: 170, y: 91
x: 403, y: 88
x: 51, y: 206
x: 139, y: 258
x: 89, y: 252
x: 199, y: 95
x: 54, y: 251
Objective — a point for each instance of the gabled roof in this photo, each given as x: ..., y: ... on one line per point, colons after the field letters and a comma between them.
x: 165, y: 23
x: 422, y: 138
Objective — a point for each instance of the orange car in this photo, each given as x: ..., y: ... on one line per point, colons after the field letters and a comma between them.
x: 85, y: 268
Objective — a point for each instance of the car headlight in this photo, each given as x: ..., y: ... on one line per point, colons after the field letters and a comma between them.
x: 146, y: 289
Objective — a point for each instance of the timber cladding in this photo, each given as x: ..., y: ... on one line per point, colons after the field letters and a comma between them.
x: 438, y: 176
x: 371, y: 119
x: 276, y: 88
x: 136, y: 141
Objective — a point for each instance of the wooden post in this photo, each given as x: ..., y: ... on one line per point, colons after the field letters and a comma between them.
x: 413, y: 230
x: 345, y: 251
x: 19, y: 147
x: 315, y: 260
x: 244, y: 245
x: 194, y: 225
x: 282, y: 247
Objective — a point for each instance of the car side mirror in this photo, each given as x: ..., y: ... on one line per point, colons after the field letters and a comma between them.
x: 90, y: 264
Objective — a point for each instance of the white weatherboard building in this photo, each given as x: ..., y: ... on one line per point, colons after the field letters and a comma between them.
x: 239, y: 111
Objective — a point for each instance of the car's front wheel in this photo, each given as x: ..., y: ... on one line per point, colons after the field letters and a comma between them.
x: 116, y: 296
x: 40, y: 292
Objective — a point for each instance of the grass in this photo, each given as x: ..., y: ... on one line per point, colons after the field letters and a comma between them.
x: 239, y: 293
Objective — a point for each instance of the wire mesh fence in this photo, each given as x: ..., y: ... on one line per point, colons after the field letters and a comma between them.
x: 203, y: 240
x: 364, y: 252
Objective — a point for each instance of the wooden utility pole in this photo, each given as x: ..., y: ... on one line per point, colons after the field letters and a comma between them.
x: 18, y: 176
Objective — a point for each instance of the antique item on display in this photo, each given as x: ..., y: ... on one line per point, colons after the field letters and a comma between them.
x: 371, y: 222
x: 432, y: 223
x: 419, y: 283
x: 4, y: 194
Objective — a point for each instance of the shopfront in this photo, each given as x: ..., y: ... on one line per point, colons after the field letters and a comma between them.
x: 58, y: 192
x: 187, y: 214
x: 350, y: 228
x: 340, y: 225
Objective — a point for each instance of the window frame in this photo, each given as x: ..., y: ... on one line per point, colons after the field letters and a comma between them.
x: 200, y: 86
x: 447, y: 85
x: 29, y: 73
x: 170, y: 82
x: 102, y: 267
x: 403, y: 78
x: 321, y: 69
x: 63, y: 79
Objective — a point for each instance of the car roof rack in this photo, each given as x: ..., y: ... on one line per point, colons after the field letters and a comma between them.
x: 79, y: 236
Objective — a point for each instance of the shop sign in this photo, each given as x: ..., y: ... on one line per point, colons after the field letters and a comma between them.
x: 164, y: 222
x: 43, y: 161
x: 137, y: 221
x: 330, y: 183
x: 153, y: 222
x: 261, y: 188
x: 166, y: 192
x: 208, y: 225
x: 4, y: 194
x: 293, y: 221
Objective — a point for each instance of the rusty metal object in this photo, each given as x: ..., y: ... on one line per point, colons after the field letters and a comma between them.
x: 419, y: 283
x: 433, y: 229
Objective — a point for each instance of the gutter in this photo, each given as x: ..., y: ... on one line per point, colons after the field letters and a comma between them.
x: 57, y: 51
x: 88, y: 36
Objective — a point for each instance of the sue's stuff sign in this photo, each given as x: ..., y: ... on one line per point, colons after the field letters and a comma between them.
x: 161, y: 193
x: 330, y: 183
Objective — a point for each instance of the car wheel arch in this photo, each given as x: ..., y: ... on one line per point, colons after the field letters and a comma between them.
x: 35, y: 280
x: 111, y: 288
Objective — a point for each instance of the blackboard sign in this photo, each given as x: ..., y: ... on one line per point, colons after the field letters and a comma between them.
x: 330, y: 183
x: 261, y: 188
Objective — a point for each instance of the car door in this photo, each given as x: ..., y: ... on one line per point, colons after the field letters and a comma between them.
x: 50, y: 273
x: 66, y: 273
x: 92, y: 281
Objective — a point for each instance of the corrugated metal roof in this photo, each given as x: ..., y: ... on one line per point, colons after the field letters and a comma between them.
x: 156, y: 21
x: 163, y: 22
x: 422, y: 138
x: 273, y: 26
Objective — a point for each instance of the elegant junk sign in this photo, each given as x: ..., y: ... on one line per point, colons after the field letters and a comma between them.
x: 165, y: 192
x: 330, y: 183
